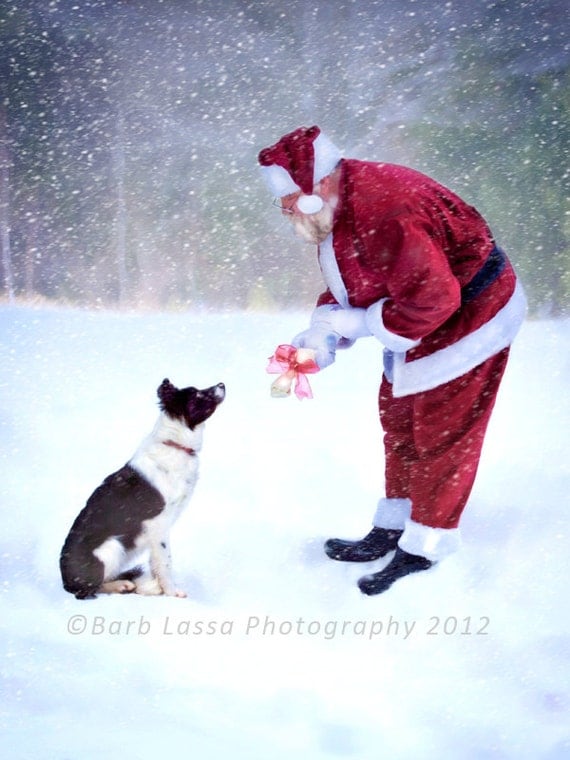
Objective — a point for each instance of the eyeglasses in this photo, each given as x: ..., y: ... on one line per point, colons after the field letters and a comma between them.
x: 275, y: 202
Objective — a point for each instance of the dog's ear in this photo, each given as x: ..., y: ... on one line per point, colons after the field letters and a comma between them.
x: 165, y: 392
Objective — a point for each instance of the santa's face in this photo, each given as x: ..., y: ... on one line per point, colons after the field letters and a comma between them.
x: 312, y: 228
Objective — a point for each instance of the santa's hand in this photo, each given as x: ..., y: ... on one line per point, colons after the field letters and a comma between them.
x: 349, y: 323
x: 322, y: 341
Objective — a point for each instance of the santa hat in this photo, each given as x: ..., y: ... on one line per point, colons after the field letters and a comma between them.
x: 297, y: 163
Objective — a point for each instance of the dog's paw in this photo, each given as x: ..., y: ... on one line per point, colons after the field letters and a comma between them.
x: 168, y: 590
x: 173, y: 591
x: 118, y: 587
x: 148, y: 587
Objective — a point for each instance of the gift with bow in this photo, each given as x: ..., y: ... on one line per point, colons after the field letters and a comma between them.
x: 293, y: 365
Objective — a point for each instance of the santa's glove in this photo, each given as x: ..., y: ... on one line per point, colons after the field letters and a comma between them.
x: 322, y: 341
x: 332, y: 327
x: 350, y: 323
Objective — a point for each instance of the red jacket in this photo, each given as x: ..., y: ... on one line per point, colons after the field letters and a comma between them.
x: 405, y: 245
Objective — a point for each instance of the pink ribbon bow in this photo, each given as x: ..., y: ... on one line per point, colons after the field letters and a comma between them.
x: 292, y: 364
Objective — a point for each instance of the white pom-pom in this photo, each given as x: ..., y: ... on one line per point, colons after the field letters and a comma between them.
x: 309, y: 204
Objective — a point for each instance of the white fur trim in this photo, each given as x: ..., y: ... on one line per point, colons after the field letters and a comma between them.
x: 392, y: 513
x: 326, y: 155
x: 463, y: 355
x: 278, y: 180
x: 433, y: 543
x: 389, y: 339
x: 331, y: 272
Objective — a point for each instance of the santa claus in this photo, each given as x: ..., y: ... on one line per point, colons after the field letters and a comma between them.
x: 409, y: 263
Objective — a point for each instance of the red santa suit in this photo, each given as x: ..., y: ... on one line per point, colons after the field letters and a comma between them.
x: 445, y: 303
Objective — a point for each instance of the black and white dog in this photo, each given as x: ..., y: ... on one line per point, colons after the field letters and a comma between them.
x: 132, y: 511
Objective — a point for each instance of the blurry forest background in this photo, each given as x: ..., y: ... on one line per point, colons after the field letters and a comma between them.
x: 129, y: 131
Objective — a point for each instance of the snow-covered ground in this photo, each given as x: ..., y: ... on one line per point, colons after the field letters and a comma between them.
x: 275, y: 654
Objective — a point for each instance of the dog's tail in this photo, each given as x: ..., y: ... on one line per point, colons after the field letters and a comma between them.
x: 130, y: 575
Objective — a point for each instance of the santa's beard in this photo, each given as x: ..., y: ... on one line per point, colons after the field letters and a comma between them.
x: 314, y: 228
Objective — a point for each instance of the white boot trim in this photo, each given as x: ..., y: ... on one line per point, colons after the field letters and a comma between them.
x: 392, y: 513
x: 433, y: 543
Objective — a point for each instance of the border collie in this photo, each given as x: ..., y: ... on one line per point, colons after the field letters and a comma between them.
x: 132, y: 511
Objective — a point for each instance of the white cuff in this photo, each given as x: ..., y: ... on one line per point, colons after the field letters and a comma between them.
x: 392, y: 513
x: 391, y: 340
x: 432, y: 543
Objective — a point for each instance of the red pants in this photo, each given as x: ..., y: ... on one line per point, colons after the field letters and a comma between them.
x: 433, y: 441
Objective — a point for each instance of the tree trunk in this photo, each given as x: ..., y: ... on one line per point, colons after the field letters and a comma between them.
x: 5, y: 207
x: 119, y: 162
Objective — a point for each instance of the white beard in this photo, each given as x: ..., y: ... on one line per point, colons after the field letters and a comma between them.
x: 314, y: 228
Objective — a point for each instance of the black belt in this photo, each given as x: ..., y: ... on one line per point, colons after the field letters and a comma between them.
x: 491, y: 269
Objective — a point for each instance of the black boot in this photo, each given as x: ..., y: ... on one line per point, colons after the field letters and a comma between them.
x: 402, y: 564
x: 376, y: 544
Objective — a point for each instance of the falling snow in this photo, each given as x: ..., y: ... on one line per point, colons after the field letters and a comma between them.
x: 130, y: 130
x: 137, y: 242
